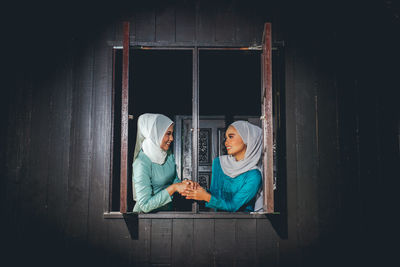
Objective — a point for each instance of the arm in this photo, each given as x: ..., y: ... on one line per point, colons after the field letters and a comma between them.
x: 186, y: 181
x: 246, y: 193
x: 178, y: 184
x: 144, y: 192
x: 197, y: 193
x: 176, y: 180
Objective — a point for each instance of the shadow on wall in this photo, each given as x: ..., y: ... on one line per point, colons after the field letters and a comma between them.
x: 38, y: 243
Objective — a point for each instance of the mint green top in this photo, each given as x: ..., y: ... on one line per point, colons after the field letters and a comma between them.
x: 151, y: 180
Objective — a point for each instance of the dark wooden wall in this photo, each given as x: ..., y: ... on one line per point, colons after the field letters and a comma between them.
x: 342, y: 134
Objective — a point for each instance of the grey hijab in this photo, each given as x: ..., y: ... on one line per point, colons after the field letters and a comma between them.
x: 252, y: 137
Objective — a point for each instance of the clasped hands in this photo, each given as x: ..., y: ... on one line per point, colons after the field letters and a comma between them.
x: 192, y: 190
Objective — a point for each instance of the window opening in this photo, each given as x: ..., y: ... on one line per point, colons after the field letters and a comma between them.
x: 229, y: 86
x: 227, y: 79
x: 160, y: 82
x: 178, y: 81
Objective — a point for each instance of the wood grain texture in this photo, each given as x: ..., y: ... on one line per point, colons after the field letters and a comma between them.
x: 225, y: 242
x: 182, y: 242
x: 161, y: 241
x: 204, y: 242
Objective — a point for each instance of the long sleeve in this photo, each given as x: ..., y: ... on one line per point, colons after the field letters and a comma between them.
x: 144, y: 193
x: 177, y: 180
x: 233, y: 202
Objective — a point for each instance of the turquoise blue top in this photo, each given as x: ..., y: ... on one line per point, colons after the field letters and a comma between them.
x: 233, y: 194
x: 151, y: 180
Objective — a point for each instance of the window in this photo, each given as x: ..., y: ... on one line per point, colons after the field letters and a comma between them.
x: 198, y: 88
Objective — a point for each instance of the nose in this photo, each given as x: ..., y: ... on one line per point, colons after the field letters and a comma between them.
x: 171, y: 138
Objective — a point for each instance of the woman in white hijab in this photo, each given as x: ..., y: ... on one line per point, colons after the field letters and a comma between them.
x: 236, y: 177
x: 154, y: 169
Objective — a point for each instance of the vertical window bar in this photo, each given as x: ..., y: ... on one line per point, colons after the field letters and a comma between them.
x: 195, y: 122
x: 267, y: 120
x: 110, y: 194
x: 124, y: 118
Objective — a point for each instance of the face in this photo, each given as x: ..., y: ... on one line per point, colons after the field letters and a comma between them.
x: 234, y: 143
x: 168, y: 138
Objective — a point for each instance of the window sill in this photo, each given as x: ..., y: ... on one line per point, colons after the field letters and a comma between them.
x: 190, y: 215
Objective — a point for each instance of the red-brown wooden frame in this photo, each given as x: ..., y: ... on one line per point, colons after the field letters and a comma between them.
x: 124, y: 119
x: 267, y: 120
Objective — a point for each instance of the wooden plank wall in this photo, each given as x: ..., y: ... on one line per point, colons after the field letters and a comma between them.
x: 341, y: 137
x: 198, y: 23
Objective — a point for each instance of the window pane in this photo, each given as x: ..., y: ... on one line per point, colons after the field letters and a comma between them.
x: 229, y: 82
x: 160, y: 82
x: 229, y: 90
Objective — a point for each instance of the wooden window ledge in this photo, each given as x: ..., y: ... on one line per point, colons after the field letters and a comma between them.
x: 190, y: 215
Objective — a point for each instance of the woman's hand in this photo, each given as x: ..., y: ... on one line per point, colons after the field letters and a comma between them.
x: 191, y: 184
x: 177, y: 187
x: 198, y: 193
x: 182, y: 186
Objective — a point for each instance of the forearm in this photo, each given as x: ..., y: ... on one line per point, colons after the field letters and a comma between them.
x: 176, y: 180
x: 197, y: 194
x: 221, y: 204
x: 149, y: 203
x: 171, y: 189
x: 206, y: 197
x: 228, y: 205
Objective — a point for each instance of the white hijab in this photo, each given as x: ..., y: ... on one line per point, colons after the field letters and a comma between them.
x: 150, y: 132
x: 252, y: 137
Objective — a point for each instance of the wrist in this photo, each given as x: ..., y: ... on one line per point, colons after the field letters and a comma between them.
x: 174, y: 188
x: 171, y: 189
x: 207, y: 197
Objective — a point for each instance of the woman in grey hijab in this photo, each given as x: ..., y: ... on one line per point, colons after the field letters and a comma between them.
x: 236, y: 177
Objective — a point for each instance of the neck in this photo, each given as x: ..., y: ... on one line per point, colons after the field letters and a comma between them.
x: 240, y: 155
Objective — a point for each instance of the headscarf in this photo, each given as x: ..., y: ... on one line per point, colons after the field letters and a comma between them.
x: 150, y: 132
x: 252, y: 137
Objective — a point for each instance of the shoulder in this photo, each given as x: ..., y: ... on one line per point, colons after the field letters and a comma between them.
x: 170, y: 157
x: 254, y: 174
x: 216, y: 161
x: 141, y: 161
x: 216, y: 164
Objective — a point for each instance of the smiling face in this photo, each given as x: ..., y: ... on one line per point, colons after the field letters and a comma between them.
x: 234, y: 143
x: 168, y: 138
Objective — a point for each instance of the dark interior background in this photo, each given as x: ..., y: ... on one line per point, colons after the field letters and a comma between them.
x: 229, y: 82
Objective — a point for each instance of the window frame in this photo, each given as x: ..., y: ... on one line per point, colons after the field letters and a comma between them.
x: 266, y: 108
